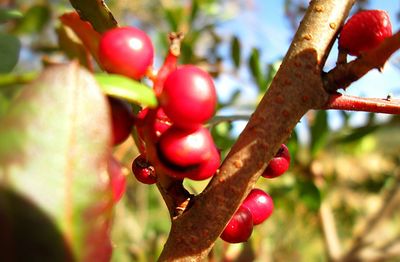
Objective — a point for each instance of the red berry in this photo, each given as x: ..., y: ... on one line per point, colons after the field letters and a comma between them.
x: 279, y: 164
x: 240, y: 227
x: 260, y: 205
x: 121, y: 118
x: 143, y: 170
x: 188, y: 96
x: 117, y: 179
x: 161, y: 123
x: 126, y: 51
x: 207, y: 168
x: 364, y: 31
x: 184, y: 147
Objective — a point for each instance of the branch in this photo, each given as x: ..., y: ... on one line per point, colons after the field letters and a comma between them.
x: 328, y: 225
x: 344, y: 74
x: 373, y: 105
x: 296, y: 88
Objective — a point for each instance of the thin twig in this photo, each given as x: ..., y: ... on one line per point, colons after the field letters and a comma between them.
x: 344, y: 74
x: 374, y: 105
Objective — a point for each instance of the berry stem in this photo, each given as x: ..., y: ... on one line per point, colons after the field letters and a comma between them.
x: 344, y: 74
x: 373, y: 105
x: 170, y: 61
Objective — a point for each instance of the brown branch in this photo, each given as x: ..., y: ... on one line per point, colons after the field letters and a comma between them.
x: 296, y: 88
x: 344, y: 74
x: 374, y: 105
x: 329, y: 229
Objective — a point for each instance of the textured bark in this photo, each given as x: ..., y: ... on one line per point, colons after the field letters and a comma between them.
x: 297, y: 88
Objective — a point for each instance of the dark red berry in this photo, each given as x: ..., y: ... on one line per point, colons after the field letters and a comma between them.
x: 121, y: 118
x: 364, y: 31
x: 117, y: 179
x: 279, y: 164
x: 126, y: 51
x: 161, y: 122
x: 188, y: 96
x: 143, y: 170
x: 260, y: 205
x: 184, y: 147
x: 240, y: 227
x: 206, y: 169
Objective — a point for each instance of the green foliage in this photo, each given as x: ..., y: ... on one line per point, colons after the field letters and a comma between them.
x: 128, y: 89
x: 34, y: 20
x: 319, y: 131
x: 9, y: 52
x: 9, y: 14
x: 53, y: 154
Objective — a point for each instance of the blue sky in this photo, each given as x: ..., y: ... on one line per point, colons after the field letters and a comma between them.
x: 262, y: 24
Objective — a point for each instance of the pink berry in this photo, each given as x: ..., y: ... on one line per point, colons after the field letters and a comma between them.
x: 143, y: 170
x: 117, y: 179
x: 364, y: 31
x: 122, y: 119
x: 279, y: 164
x: 260, y: 205
x: 126, y: 51
x: 240, y: 227
x: 188, y: 96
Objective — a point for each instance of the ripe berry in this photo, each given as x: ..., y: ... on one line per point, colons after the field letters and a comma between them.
x: 188, y: 96
x: 240, y: 227
x: 126, y: 51
x: 260, y: 205
x: 206, y: 169
x: 364, y: 31
x: 117, y: 179
x: 160, y: 125
x: 184, y: 147
x: 121, y: 119
x: 279, y: 164
x: 143, y: 170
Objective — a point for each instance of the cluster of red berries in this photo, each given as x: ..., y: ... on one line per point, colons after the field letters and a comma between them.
x: 258, y: 205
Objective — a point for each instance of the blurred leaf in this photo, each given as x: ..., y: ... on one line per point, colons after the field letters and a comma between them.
x: 34, y: 20
x: 235, y: 51
x: 84, y: 31
x: 293, y: 145
x: 54, y: 149
x: 309, y: 194
x: 9, y: 14
x: 174, y: 17
x: 272, y: 70
x: 28, y: 232
x: 9, y: 52
x: 356, y: 134
x: 255, y: 68
x: 222, y: 138
x: 128, y: 89
x: 194, y: 12
x: 319, y: 131
x: 96, y: 12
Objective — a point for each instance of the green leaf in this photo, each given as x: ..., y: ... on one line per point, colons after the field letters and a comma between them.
x: 9, y: 14
x: 194, y: 11
x: 54, y: 149
x: 174, y: 17
x: 357, y: 133
x: 272, y: 70
x: 34, y: 20
x: 309, y: 194
x: 9, y: 52
x: 96, y: 12
x: 255, y: 68
x: 128, y: 89
x: 319, y: 131
x: 235, y: 51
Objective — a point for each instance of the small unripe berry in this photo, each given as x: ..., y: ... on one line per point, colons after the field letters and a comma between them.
x: 364, y: 31
x: 239, y: 227
x: 143, y: 170
x: 260, y: 205
x: 188, y: 96
x: 126, y: 51
x: 122, y: 119
x: 279, y: 164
